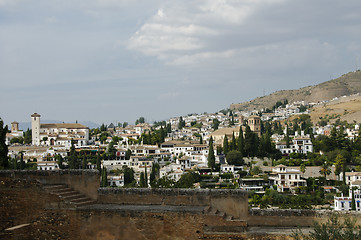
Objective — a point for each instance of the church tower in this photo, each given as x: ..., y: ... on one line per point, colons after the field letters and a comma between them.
x: 35, y: 129
x: 254, y: 123
x: 14, y: 127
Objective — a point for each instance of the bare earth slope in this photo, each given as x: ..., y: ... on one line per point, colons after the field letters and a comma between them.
x: 347, y: 84
x: 345, y: 108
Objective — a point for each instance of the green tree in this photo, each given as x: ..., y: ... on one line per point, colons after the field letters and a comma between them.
x: 234, y: 157
x: 340, y: 166
x: 128, y: 153
x: 162, y: 134
x: 353, y: 202
x: 250, y: 143
x: 128, y: 175
x: 233, y: 143
x: 27, y: 137
x: 111, y: 153
x: 181, y: 123
x: 84, y: 162
x: 104, y: 175
x: 287, y: 138
x: 188, y: 179
x: 145, y: 176
x: 325, y: 170
x: 211, y: 157
x: 240, y: 144
x: 333, y: 229
x: 225, y: 144
x: 4, y: 161
x: 22, y: 164
x: 73, y: 156
x: 98, y: 163
x: 59, y: 159
x: 141, y: 180
x: 215, y: 124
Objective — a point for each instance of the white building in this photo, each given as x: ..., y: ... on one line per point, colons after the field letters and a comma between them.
x: 352, y: 177
x: 298, y: 145
x: 15, y: 132
x: 345, y: 203
x: 47, y: 165
x: 286, y: 179
x: 58, y: 133
x: 172, y: 171
x: 116, y: 181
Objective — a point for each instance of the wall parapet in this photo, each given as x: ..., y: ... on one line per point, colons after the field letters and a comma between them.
x: 233, y: 202
x: 173, y: 191
x: 86, y: 181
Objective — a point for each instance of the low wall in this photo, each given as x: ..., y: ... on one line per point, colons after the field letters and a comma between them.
x: 294, y: 217
x: 230, y: 201
x: 86, y: 182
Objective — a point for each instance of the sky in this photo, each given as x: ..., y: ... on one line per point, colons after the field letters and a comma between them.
x: 117, y: 60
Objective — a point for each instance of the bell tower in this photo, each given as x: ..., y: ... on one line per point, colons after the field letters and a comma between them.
x: 14, y: 127
x: 254, y: 123
x: 35, y: 129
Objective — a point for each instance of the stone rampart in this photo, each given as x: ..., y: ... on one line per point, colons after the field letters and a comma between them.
x: 86, y: 182
x: 294, y: 217
x: 230, y: 201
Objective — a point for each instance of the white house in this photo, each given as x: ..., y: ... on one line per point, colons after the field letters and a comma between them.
x: 15, y: 132
x: 47, y: 165
x: 58, y: 133
x: 116, y: 181
x: 298, y: 145
x: 286, y: 179
x: 173, y: 171
x: 345, y: 203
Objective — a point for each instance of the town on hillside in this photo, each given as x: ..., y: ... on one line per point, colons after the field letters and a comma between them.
x: 278, y: 155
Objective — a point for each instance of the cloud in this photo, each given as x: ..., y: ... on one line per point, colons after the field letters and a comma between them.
x: 183, y: 32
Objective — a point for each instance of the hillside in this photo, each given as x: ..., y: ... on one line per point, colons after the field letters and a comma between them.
x: 345, y: 108
x: 347, y: 84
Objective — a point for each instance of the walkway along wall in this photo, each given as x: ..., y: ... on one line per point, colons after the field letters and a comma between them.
x: 230, y: 201
x: 86, y: 182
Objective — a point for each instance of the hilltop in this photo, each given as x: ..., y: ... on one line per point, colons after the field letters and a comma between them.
x: 347, y: 84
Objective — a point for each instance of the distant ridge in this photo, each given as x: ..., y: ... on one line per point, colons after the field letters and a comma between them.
x: 347, y: 84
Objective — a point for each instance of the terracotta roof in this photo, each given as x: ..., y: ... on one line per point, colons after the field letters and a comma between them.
x: 64, y: 125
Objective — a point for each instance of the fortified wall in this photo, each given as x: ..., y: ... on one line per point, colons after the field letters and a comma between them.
x: 229, y: 201
x: 121, y: 213
x: 86, y: 182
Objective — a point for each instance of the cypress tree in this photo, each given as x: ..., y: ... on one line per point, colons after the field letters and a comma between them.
x: 353, y: 203
x: 84, y: 163
x: 211, y: 157
x: 98, y: 161
x: 22, y: 164
x: 287, y: 138
x: 233, y: 143
x: 4, y: 161
x: 200, y: 140
x: 104, y: 181
x: 240, y: 145
x: 141, y: 180
x: 225, y: 144
x: 162, y: 135
x: 145, y: 177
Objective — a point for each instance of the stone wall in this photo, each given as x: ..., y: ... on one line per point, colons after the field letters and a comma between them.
x: 86, y: 182
x: 230, y: 201
x: 294, y: 217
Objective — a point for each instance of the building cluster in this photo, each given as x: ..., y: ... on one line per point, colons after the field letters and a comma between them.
x: 185, y: 148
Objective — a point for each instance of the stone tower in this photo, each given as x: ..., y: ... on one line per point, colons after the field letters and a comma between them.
x: 35, y: 129
x: 254, y: 122
x: 14, y: 127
